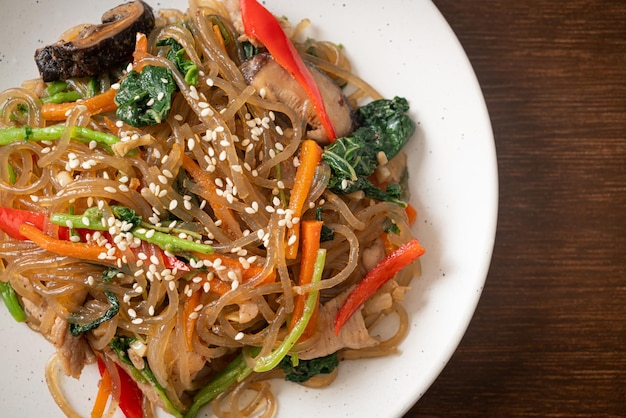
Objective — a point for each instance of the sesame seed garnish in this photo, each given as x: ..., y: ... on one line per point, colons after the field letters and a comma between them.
x: 162, y: 179
x: 150, y: 233
x: 194, y: 315
x: 173, y: 204
x: 110, y: 189
x: 292, y: 240
x: 235, y: 284
x: 209, y: 82
x: 172, y: 285
x: 34, y: 198
x: 239, y: 336
x: 132, y: 313
x: 151, y: 310
x: 206, y: 112
x: 137, y: 321
x: 154, y: 260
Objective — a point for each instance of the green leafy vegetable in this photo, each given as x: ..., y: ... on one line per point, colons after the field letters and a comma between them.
x: 145, y: 98
x: 110, y: 274
x: 327, y: 234
x: 77, y: 329
x: 385, y: 127
x: 12, y: 303
x: 176, y: 54
x: 306, y: 369
x: 126, y: 214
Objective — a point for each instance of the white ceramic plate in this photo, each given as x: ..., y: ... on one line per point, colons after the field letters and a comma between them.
x: 402, y: 47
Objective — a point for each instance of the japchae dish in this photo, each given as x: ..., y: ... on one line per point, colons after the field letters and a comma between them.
x: 199, y: 201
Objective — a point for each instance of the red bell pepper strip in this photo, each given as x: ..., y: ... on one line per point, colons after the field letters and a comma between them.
x: 261, y: 25
x: 378, y: 276
x: 11, y: 219
x: 131, y: 397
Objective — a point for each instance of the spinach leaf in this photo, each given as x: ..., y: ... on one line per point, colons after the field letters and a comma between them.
x: 145, y: 98
x: 385, y: 127
x: 77, y: 329
x: 176, y: 54
x: 306, y: 369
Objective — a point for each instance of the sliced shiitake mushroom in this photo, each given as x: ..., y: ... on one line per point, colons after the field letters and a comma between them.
x: 263, y: 73
x: 93, y: 49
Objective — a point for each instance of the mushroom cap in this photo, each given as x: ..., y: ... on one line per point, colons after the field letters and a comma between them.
x: 96, y: 48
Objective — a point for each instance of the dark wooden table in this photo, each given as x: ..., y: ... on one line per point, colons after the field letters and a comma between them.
x: 549, y: 335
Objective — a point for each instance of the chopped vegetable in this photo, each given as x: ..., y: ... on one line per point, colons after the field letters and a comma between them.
x: 63, y: 97
x: 141, y: 47
x: 176, y: 54
x: 310, y: 157
x: 52, y: 133
x: 235, y: 372
x: 378, y: 276
x: 306, y: 369
x: 131, y: 397
x: 105, y: 389
x: 327, y: 234
x: 77, y: 329
x: 97, y: 104
x: 266, y: 363
x: 145, y: 98
x: 94, y: 218
x: 385, y: 128
x: 120, y: 345
x: 260, y: 24
x: 12, y: 303
x: 89, y: 252
x: 205, y: 180
x: 311, y: 231
x: 11, y: 219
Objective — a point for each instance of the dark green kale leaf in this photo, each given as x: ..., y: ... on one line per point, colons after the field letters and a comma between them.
x: 306, y: 369
x: 326, y: 234
x: 77, y: 329
x: 145, y: 98
x: 385, y: 127
x: 124, y: 213
x: 176, y: 54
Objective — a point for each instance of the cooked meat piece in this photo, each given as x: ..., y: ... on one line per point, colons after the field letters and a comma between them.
x: 96, y: 48
x: 74, y: 352
x: 352, y: 335
x: 265, y: 74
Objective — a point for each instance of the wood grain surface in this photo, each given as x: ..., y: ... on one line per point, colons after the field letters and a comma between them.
x: 549, y: 335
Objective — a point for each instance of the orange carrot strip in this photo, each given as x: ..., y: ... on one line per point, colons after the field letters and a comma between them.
x: 310, y: 157
x: 90, y: 252
x: 218, y: 35
x: 189, y: 308
x: 311, y: 231
x: 141, y: 47
x: 389, y: 246
x: 97, y: 104
x: 205, y: 180
x: 411, y: 213
x: 219, y: 287
x: 105, y: 388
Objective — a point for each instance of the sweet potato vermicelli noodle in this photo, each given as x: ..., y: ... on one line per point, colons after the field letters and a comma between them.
x: 172, y: 251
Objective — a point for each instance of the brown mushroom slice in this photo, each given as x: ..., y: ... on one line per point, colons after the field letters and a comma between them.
x: 268, y: 77
x: 96, y: 48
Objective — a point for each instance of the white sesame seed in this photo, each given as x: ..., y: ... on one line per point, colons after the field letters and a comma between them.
x: 151, y: 310
x: 160, y: 96
x: 206, y: 112
x: 209, y: 82
x: 235, y: 284
x: 110, y: 189
x: 173, y: 204
x: 239, y: 336
x: 194, y: 315
x: 132, y: 313
x: 172, y: 285
x: 162, y: 179
x: 150, y: 233
x: 292, y: 240
x: 137, y: 321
